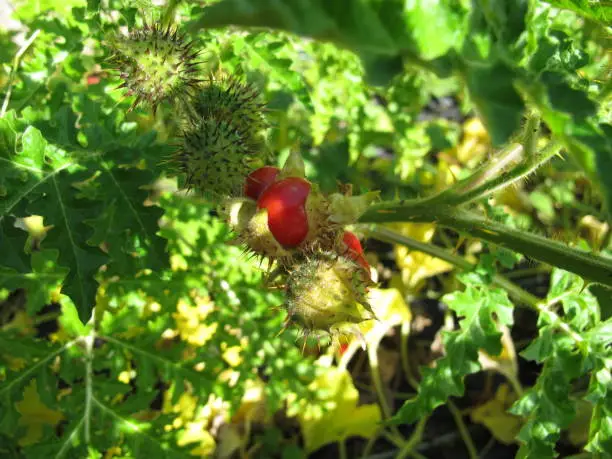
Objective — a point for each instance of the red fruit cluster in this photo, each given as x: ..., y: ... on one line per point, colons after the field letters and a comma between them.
x: 285, y: 218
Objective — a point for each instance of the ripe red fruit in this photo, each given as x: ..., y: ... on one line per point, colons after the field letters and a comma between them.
x: 354, y: 250
x: 285, y: 202
x: 259, y: 180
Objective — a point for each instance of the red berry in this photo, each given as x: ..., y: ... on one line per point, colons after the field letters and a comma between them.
x: 260, y: 179
x: 354, y: 250
x: 285, y: 202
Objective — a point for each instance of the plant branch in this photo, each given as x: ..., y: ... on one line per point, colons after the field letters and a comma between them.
x: 594, y: 268
x: 14, y: 69
x: 384, y: 234
x: 519, y: 172
x: 463, y: 431
x: 414, y: 439
x: 520, y: 295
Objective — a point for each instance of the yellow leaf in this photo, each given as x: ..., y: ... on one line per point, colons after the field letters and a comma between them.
x: 335, y: 415
x: 35, y: 415
x: 493, y: 414
x: 195, y: 432
x: 253, y: 406
x: 475, y: 143
x: 232, y: 356
x: 390, y: 310
x: 230, y: 439
x: 190, y: 321
x: 415, y: 266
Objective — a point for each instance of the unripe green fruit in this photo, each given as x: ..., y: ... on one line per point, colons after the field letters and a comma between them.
x: 229, y: 95
x: 215, y: 156
x: 326, y: 292
x: 155, y: 64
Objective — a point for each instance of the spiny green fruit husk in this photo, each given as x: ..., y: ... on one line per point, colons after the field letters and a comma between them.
x: 156, y: 64
x: 215, y: 155
x: 228, y: 94
x: 327, y: 291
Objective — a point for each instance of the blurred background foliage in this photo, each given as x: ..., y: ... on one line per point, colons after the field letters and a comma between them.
x: 186, y: 356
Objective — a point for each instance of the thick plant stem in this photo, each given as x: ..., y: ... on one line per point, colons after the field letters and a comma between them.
x: 517, y: 173
x: 589, y: 266
x: 520, y: 295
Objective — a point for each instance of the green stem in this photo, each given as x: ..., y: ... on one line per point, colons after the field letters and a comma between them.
x: 342, y: 449
x: 414, y: 439
x: 517, y: 173
x: 14, y: 69
x: 384, y: 234
x: 405, y: 334
x: 168, y: 17
x: 531, y: 132
x: 520, y: 295
x: 463, y: 431
x: 591, y: 267
x: 378, y: 385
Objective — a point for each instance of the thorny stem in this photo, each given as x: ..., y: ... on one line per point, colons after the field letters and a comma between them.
x: 517, y: 173
x: 384, y: 234
x: 14, y: 69
x: 591, y: 267
x: 513, y: 290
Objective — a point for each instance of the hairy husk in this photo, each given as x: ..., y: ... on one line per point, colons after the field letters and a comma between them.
x: 156, y: 64
x: 327, y: 291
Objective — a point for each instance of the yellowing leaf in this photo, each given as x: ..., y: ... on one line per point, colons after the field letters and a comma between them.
x: 390, y: 310
x: 232, y: 355
x: 13, y: 363
x: 189, y: 322
x: 35, y: 415
x: 335, y: 416
x: 475, y: 143
x: 416, y: 266
x: 195, y: 432
x: 253, y: 405
x: 493, y: 414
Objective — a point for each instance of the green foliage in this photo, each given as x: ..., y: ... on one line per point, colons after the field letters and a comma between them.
x: 481, y: 311
x: 130, y: 325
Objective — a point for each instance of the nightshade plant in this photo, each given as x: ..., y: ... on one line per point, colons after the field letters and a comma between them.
x: 131, y: 319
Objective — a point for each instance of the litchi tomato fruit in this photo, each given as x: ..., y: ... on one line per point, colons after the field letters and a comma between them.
x: 259, y: 180
x: 354, y: 251
x: 285, y: 203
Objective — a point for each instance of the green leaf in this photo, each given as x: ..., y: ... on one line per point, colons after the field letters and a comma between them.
x: 67, y: 213
x: 600, y: 394
x: 436, y: 26
x: 127, y: 226
x: 600, y: 11
x: 497, y: 101
x: 481, y: 310
x: 547, y: 406
x: 44, y: 278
